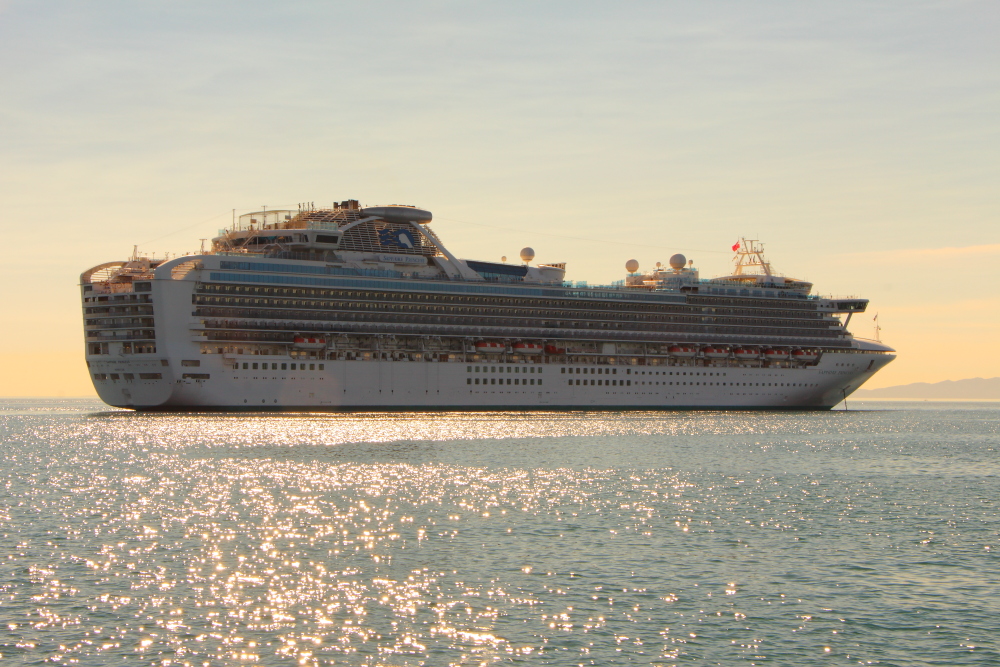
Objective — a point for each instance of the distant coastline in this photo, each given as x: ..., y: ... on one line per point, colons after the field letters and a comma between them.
x: 968, y: 389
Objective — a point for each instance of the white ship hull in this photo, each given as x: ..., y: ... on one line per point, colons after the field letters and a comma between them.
x: 417, y: 385
x: 308, y: 311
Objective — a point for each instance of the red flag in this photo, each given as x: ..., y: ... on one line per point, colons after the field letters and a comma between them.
x: 736, y: 247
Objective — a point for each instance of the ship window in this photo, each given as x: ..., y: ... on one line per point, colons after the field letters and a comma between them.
x: 468, y: 380
x: 293, y: 367
x: 150, y: 376
x: 516, y: 381
x: 244, y: 365
x: 100, y: 376
x: 322, y: 366
x: 493, y: 381
x: 255, y: 366
x: 571, y: 382
x: 532, y: 380
x: 312, y: 367
x: 468, y: 369
x: 477, y: 380
x: 562, y: 370
x: 493, y: 369
x: 114, y: 376
x: 539, y: 380
x: 284, y: 367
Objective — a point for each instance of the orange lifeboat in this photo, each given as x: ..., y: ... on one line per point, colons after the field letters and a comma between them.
x: 746, y: 353
x: 716, y: 352
x: 683, y: 351
x: 772, y: 354
x: 552, y: 349
x: 308, y: 343
x: 489, y: 347
x: 527, y: 348
x: 805, y: 356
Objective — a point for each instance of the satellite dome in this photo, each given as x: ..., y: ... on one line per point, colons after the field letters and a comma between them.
x: 632, y: 265
x: 677, y: 262
x: 527, y: 254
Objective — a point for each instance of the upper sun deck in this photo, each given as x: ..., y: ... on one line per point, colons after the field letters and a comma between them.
x: 396, y: 242
x: 344, y: 227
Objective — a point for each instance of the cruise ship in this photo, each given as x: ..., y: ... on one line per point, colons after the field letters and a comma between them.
x: 365, y: 308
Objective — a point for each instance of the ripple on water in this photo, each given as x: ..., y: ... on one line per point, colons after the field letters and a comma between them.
x: 568, y: 538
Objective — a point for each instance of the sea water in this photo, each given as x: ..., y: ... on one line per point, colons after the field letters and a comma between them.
x: 867, y: 536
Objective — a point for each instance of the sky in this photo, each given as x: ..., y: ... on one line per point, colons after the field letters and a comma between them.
x: 859, y: 141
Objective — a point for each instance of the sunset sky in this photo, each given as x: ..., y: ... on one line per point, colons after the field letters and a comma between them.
x: 858, y: 140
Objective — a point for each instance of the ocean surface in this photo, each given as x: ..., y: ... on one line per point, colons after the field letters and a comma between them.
x: 867, y: 536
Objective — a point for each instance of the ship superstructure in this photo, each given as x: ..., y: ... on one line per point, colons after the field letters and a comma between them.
x: 365, y: 308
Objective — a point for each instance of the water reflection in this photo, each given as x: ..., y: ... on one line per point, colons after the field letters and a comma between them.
x: 563, y: 538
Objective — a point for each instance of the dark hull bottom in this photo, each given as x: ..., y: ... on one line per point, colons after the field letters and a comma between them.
x: 466, y: 408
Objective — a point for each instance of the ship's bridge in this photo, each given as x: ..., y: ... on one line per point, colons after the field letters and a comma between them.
x: 848, y: 305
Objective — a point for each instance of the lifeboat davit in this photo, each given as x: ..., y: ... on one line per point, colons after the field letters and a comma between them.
x: 773, y: 354
x: 682, y: 351
x: 527, y: 348
x: 805, y: 355
x: 716, y: 352
x: 746, y: 353
x: 308, y: 343
x: 489, y: 347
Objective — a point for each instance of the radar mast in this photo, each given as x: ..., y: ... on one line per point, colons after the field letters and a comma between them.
x: 750, y: 259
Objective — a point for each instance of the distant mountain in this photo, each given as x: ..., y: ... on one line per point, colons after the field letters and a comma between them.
x: 972, y: 388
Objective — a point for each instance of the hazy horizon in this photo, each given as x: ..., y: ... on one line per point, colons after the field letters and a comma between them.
x: 858, y: 141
